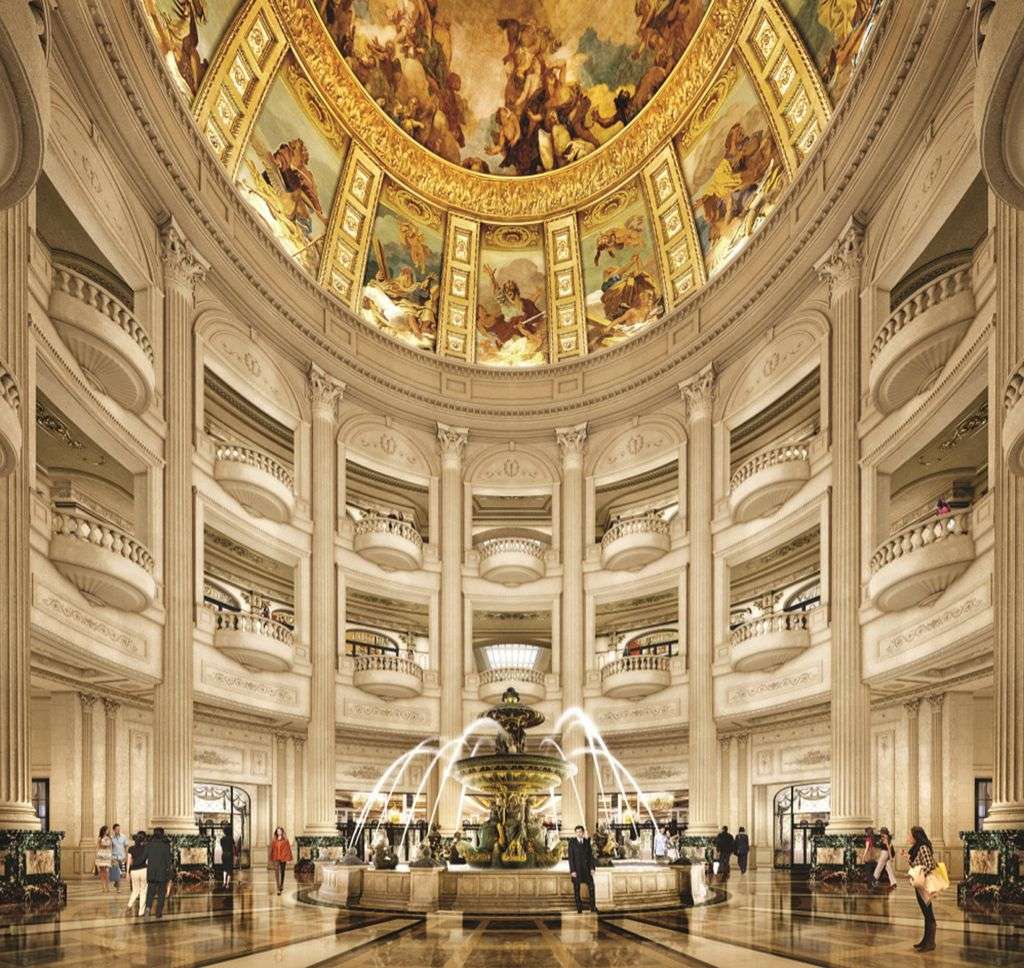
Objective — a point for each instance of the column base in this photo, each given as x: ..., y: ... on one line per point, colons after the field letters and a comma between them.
x: 31, y: 874
x: 993, y: 873
x: 848, y: 826
x: 310, y: 848
x: 178, y: 826
x: 702, y: 830
x: 837, y: 860
x: 18, y: 816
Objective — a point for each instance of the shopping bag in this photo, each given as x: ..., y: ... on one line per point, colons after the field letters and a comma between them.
x: 916, y: 875
x: 937, y: 880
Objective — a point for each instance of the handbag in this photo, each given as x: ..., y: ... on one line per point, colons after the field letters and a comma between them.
x: 916, y: 875
x: 937, y: 880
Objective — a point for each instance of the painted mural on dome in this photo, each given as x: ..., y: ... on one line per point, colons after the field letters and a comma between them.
x: 187, y: 32
x: 511, y: 86
x: 403, y: 269
x: 732, y: 167
x: 621, y: 276
x: 289, y: 172
x: 511, y: 312
x: 836, y: 33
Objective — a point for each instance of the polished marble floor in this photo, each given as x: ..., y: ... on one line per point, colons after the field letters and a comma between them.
x: 769, y: 920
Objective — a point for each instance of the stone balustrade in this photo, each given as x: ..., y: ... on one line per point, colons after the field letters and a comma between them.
x: 10, y: 422
x: 105, y: 338
x: 529, y: 683
x: 1013, y: 421
x: 631, y: 543
x: 254, y: 641
x: 635, y: 676
x: 918, y: 563
x: 919, y: 336
x: 769, y: 641
x: 512, y: 560
x: 387, y: 676
x: 257, y: 480
x: 767, y: 479
x: 391, y: 543
x: 105, y: 563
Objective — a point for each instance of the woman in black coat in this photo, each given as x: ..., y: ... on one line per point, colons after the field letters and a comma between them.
x: 227, y: 855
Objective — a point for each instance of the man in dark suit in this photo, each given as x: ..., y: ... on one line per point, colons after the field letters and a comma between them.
x: 726, y: 844
x: 159, y: 870
x: 581, y: 867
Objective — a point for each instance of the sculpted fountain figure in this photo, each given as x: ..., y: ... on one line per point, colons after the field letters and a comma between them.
x: 511, y: 780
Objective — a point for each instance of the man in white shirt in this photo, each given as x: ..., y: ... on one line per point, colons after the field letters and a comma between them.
x: 118, y: 850
x: 660, y: 845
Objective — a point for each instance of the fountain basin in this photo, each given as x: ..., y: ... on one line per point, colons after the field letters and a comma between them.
x: 525, y: 773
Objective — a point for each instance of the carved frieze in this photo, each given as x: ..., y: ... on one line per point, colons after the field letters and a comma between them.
x: 248, y: 686
x: 941, y: 622
x: 80, y: 620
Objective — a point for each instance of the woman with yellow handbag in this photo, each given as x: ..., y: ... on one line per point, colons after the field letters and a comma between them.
x: 928, y: 879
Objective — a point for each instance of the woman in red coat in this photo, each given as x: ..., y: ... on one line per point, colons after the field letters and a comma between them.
x: 280, y: 855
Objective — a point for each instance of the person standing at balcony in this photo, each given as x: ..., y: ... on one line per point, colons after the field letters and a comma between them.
x: 742, y: 849
x: 581, y: 868
x: 103, y: 857
x: 280, y: 855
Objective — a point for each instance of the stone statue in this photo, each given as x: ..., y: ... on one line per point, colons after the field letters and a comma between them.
x: 605, y: 848
x: 384, y: 856
x: 423, y: 856
x: 351, y: 858
x: 454, y: 849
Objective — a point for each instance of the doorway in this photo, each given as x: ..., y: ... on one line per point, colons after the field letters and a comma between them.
x: 801, y: 813
x: 216, y: 805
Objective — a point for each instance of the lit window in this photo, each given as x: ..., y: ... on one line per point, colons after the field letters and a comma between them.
x: 511, y: 655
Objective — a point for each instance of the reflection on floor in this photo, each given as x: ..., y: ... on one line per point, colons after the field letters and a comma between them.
x: 769, y: 921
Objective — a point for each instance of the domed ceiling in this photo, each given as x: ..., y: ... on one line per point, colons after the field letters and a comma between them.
x: 511, y: 183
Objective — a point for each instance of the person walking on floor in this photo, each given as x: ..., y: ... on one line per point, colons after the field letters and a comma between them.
x: 870, y: 855
x: 660, y: 848
x: 159, y: 871
x: 921, y: 856
x: 742, y: 849
x: 103, y: 857
x: 885, y: 857
x: 725, y: 844
x: 137, y: 872
x: 227, y: 853
x: 581, y: 867
x: 280, y: 856
x: 118, y: 856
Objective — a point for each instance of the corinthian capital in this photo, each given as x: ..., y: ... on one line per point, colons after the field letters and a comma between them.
x: 698, y: 394
x: 452, y: 441
x: 184, y: 268
x: 324, y: 391
x: 840, y: 266
x: 571, y: 441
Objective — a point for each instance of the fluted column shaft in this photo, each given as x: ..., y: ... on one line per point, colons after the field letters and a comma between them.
x: 913, y: 763
x: 571, y: 441
x: 1007, y: 810
x: 15, y: 779
x: 173, y: 798
x: 452, y: 441
x: 321, y: 816
x: 937, y: 780
x: 698, y: 397
x: 111, y: 784
x: 851, y: 701
x: 89, y: 826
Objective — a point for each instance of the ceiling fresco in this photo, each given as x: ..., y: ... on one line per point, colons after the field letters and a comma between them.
x: 512, y: 183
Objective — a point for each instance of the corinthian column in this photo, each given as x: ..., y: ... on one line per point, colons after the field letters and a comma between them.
x: 1007, y: 810
x: 851, y: 700
x: 15, y: 781
x: 321, y: 818
x: 571, y: 441
x: 173, y: 808
x: 452, y: 441
x: 698, y: 397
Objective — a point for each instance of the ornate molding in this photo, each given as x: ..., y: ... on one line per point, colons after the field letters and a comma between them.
x: 453, y: 442
x: 839, y: 267
x: 184, y: 268
x: 571, y: 441
x: 87, y: 700
x: 324, y: 392
x: 110, y: 707
x: 699, y: 394
x: 912, y: 707
x: 937, y: 701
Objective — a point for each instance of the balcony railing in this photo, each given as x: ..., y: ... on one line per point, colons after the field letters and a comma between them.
x: 258, y: 481
x: 255, y: 641
x: 512, y: 560
x: 635, y: 676
x: 632, y: 543
x: 920, y: 562
x: 1013, y: 421
x: 391, y: 543
x: 387, y: 676
x: 106, y: 564
x: 765, y: 481
x: 919, y: 337
x: 104, y: 337
x: 529, y: 683
x: 10, y: 422
x: 769, y: 640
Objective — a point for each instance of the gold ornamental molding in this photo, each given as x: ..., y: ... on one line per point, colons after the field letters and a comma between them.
x: 533, y: 197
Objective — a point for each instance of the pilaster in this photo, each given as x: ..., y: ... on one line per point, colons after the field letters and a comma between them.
x: 912, y: 709
x: 88, y: 821
x: 111, y: 780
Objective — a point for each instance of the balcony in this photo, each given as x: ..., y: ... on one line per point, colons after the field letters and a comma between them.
x: 10, y: 422
x: 511, y: 561
x: 768, y: 641
x: 388, y: 676
x: 920, y: 562
x: 635, y: 676
x: 529, y: 683
x: 259, y: 482
x: 1013, y: 422
x: 105, y: 564
x: 392, y: 543
x: 919, y: 337
x: 104, y: 337
x: 764, y: 482
x: 632, y: 543
x: 258, y: 643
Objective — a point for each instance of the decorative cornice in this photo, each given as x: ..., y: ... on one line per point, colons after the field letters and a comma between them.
x: 184, y: 267
x: 324, y: 392
x: 698, y: 394
x: 453, y: 442
x: 839, y: 267
x: 571, y: 441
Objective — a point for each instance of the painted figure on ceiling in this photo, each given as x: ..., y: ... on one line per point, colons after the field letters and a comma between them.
x: 179, y: 37
x: 294, y: 183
